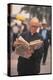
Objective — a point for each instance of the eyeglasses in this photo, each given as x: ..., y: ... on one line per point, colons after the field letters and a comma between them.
x: 34, y: 26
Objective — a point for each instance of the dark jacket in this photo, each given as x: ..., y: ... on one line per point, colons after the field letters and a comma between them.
x: 31, y: 65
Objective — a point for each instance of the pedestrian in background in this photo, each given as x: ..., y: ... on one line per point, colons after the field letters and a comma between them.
x: 44, y: 34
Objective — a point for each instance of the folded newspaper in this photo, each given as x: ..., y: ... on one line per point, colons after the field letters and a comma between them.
x: 25, y: 49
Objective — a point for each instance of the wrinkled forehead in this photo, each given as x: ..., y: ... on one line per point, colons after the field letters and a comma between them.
x: 34, y: 25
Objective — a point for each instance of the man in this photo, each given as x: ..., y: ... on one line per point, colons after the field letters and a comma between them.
x: 45, y: 36
x: 30, y: 66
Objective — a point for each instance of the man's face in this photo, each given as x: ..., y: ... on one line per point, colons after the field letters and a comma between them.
x: 33, y: 28
x: 44, y: 25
